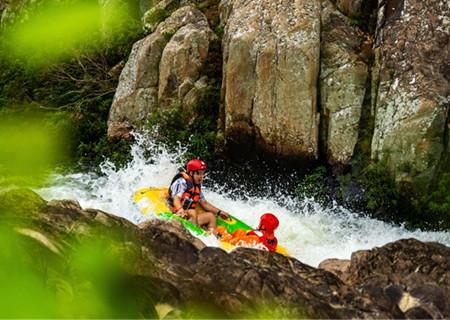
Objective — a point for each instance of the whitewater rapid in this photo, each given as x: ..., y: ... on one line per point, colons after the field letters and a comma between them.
x: 309, y: 231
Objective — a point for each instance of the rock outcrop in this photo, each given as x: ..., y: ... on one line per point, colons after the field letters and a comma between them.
x: 163, y: 68
x: 406, y: 278
x: 295, y: 79
x: 409, y: 274
x: 412, y: 100
x: 271, y: 52
x: 343, y: 77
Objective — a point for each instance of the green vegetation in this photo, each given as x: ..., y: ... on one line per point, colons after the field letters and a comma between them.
x: 433, y: 208
x: 31, y: 144
x: 315, y: 185
x: 155, y: 16
x: 194, y: 130
x: 75, y: 81
x: 89, y: 282
x: 380, y: 188
x: 374, y: 190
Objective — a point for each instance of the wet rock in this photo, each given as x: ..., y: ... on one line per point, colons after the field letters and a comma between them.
x: 349, y: 7
x: 175, y: 227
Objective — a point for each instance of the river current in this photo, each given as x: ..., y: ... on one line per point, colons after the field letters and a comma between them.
x: 309, y: 231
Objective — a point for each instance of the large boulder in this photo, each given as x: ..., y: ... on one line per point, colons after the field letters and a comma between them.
x: 407, y: 274
x: 412, y: 99
x: 406, y: 278
x: 343, y: 77
x: 271, y: 53
x: 162, y: 68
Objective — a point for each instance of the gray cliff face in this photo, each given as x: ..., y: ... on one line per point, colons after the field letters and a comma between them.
x: 162, y: 68
x: 343, y: 77
x: 271, y: 67
x: 297, y: 77
x: 412, y: 100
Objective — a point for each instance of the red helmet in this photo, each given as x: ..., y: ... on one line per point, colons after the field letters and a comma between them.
x: 195, y: 165
x: 268, y: 222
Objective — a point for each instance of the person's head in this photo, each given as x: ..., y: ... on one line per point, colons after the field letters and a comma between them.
x: 268, y: 223
x: 196, y: 168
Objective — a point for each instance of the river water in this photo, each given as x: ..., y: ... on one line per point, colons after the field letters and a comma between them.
x: 309, y: 231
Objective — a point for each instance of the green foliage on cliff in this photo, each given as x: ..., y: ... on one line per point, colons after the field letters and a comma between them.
x: 315, y: 185
x: 156, y: 15
x: 196, y: 132
x: 373, y: 190
x: 380, y: 188
x: 433, y: 208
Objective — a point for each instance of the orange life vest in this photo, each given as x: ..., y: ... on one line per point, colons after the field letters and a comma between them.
x: 241, y: 236
x: 191, y: 196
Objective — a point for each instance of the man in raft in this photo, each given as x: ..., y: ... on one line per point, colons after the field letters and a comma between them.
x: 185, y: 194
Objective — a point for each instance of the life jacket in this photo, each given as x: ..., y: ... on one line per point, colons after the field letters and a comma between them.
x: 191, y: 196
x: 268, y: 240
x: 240, y: 236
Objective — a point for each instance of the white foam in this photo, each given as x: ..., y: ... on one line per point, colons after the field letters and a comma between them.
x: 309, y: 231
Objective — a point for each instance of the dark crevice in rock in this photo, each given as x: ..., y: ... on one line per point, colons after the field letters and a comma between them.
x: 392, y: 10
x: 367, y: 119
x: 324, y: 117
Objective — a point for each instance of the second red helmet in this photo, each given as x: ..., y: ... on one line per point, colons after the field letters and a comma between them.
x: 268, y: 222
x: 195, y: 165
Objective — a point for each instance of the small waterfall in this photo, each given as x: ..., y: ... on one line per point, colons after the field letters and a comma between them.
x: 309, y: 231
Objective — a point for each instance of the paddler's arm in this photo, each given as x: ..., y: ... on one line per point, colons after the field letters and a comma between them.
x: 209, y: 207
x: 178, y: 208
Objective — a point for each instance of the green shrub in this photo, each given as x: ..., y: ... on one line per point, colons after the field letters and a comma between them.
x: 432, y: 210
x: 380, y: 189
x: 81, y: 86
x: 315, y: 185
x: 156, y: 16
x: 197, y: 135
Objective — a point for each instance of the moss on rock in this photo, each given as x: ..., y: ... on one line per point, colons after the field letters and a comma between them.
x: 21, y: 200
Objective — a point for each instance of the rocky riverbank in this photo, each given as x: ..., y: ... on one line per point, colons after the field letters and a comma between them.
x: 164, y: 268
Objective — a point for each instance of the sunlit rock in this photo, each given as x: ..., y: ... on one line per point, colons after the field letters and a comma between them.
x: 182, y: 60
x: 271, y: 53
x: 158, y: 66
x: 338, y: 267
x: 343, y: 78
x: 412, y: 100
